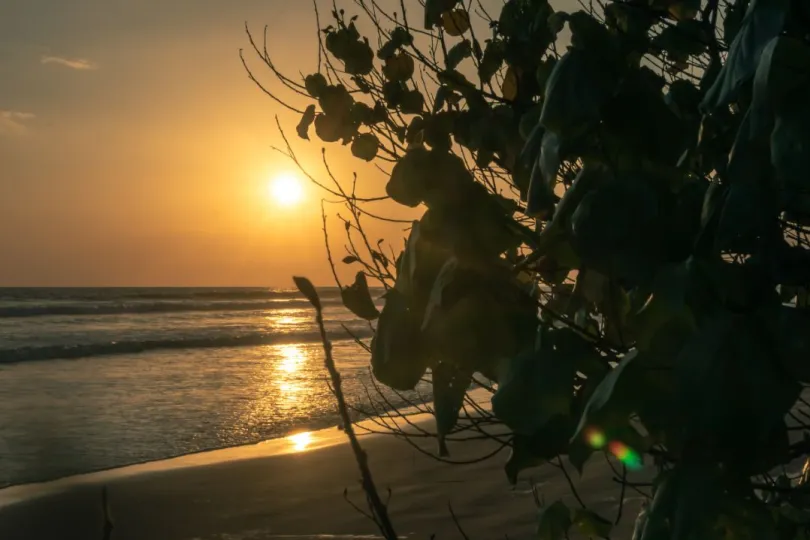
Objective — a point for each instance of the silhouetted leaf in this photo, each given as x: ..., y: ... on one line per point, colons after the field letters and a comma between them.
x: 398, y: 356
x: 509, y: 88
x: 450, y: 385
x: 306, y: 120
x: 455, y: 22
x: 434, y: 10
x: 349, y: 259
x: 314, y: 84
x: 365, y: 146
x: 398, y: 67
x: 763, y: 22
x: 308, y: 290
x: 492, y: 60
x: 458, y: 53
x: 357, y: 298
x: 553, y: 522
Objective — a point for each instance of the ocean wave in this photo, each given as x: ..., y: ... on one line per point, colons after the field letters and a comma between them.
x: 75, y: 351
x: 108, y: 308
x: 156, y: 293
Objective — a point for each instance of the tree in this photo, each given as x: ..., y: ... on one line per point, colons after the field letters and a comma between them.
x: 615, y: 233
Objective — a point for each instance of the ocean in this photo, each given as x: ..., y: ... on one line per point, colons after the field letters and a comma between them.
x: 92, y: 379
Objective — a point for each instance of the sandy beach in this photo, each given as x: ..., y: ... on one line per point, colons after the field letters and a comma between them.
x: 294, y: 488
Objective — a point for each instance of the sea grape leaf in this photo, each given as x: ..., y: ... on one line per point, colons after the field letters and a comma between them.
x: 434, y: 10
x: 509, y: 87
x: 397, y: 351
x: 450, y: 385
x: 455, y: 22
x: 308, y: 290
x: 412, y: 102
x: 540, y: 447
x: 493, y: 58
x: 458, y: 53
x: 398, y: 67
x: 357, y: 298
x: 577, y: 89
x: 365, y: 146
x: 536, y: 386
x: 763, y: 21
x: 306, y: 120
x: 553, y: 521
x: 591, y: 524
x: 314, y: 84
x: 540, y: 198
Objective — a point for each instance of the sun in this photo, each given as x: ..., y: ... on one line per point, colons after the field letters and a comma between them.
x: 286, y: 189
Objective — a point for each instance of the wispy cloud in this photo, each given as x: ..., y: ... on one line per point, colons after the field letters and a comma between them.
x: 14, y: 122
x: 72, y: 63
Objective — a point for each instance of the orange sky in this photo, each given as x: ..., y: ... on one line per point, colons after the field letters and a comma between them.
x: 134, y: 151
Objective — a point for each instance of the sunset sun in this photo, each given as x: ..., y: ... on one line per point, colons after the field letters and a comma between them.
x: 286, y: 189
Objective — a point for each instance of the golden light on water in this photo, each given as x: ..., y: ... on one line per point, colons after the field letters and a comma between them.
x: 301, y: 441
x: 286, y: 189
x: 292, y: 357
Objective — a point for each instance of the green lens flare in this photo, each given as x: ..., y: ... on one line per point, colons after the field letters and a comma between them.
x: 629, y: 457
x: 595, y: 437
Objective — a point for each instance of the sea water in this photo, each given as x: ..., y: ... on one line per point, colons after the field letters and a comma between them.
x: 93, y: 379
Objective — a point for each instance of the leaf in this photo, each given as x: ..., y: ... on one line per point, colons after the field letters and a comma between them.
x: 458, y: 53
x: 494, y: 54
x: 398, y: 356
x: 537, y: 385
x: 308, y: 290
x: 687, y: 38
x: 556, y: 22
x: 314, y: 84
x: 684, y: 10
x: 306, y: 120
x: 357, y: 298
x: 509, y: 88
x: 455, y: 22
x: 365, y: 146
x: 450, y: 385
x: 591, y: 524
x: 412, y: 102
x: 553, y: 522
x: 613, y: 399
x: 763, y: 21
x: 576, y: 90
x: 398, y: 67
x: 434, y: 10
x: 538, y: 448
x: 349, y: 259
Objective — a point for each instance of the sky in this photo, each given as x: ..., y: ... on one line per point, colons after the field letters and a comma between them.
x: 134, y: 150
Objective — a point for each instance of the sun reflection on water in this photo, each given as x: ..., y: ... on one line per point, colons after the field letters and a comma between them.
x: 292, y: 357
x: 300, y: 441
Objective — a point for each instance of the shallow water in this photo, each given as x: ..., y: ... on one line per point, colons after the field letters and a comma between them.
x: 75, y: 396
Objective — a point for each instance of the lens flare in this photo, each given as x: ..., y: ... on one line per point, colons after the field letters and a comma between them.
x: 629, y: 457
x: 595, y: 437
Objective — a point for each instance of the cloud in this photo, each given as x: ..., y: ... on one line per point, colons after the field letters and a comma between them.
x: 72, y: 63
x: 14, y: 122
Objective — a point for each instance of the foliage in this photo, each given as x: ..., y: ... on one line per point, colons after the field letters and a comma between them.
x: 647, y: 188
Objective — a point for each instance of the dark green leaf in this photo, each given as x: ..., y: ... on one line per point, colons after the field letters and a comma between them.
x: 306, y: 120
x: 365, y: 146
x: 576, y: 90
x: 591, y: 524
x: 450, y: 385
x: 763, y: 22
x: 357, y: 298
x: 398, y: 67
x: 398, y: 357
x: 553, y: 522
x: 308, y: 290
x: 455, y: 22
x: 536, y: 386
